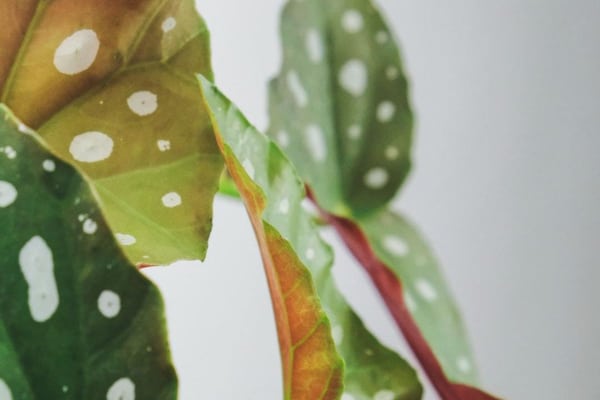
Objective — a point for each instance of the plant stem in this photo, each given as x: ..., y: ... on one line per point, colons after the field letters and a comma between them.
x: 390, y: 289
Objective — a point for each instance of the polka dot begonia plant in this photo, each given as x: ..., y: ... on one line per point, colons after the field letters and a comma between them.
x: 113, y: 141
x: 340, y: 109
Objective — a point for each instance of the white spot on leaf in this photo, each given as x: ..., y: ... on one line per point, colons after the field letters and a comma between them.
x: 392, y: 72
x: 315, y: 141
x: 392, y: 153
x: 376, y: 178
x: 90, y: 226
x: 464, y: 365
x: 395, y: 245
x: 109, y: 304
x: 49, y: 165
x: 123, y: 389
x: 77, y: 52
x: 37, y: 266
x: 163, y: 145
x: 90, y: 147
x: 171, y: 200
x: 314, y: 46
x: 143, y: 103
x: 283, y: 138
x: 384, y: 395
x: 426, y: 290
x: 284, y: 206
x: 8, y: 194
x: 386, y: 111
x: 352, y: 21
x: 5, y: 393
x: 354, y: 131
x: 125, y: 239
x: 169, y: 24
x: 10, y: 153
x: 295, y: 86
x: 353, y: 77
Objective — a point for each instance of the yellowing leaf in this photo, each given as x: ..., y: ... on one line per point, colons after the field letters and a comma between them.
x: 112, y: 89
x: 339, y: 107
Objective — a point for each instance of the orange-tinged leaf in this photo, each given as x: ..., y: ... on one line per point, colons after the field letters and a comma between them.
x: 308, y: 315
x: 111, y: 88
x: 312, y: 369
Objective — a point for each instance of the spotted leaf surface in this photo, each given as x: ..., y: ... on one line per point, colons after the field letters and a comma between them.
x: 112, y: 90
x: 339, y: 107
x: 402, y: 248
x: 294, y: 255
x: 77, y: 320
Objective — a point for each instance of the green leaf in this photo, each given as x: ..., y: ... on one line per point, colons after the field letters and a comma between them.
x: 77, y: 320
x: 272, y: 191
x: 340, y: 110
x: 400, y: 245
x: 340, y: 105
x: 112, y: 89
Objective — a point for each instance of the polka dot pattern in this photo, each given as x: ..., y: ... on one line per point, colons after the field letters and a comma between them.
x: 119, y: 98
x: 286, y: 213
x: 401, y: 247
x: 354, y: 97
x: 70, y: 276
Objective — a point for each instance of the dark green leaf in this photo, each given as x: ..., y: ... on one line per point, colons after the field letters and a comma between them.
x: 77, y: 320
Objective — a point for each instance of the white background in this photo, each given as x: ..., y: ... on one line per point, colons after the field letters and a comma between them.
x: 506, y: 186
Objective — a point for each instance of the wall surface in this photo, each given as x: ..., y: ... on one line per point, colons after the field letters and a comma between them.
x: 506, y: 186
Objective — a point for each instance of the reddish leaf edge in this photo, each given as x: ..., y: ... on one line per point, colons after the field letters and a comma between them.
x: 390, y: 289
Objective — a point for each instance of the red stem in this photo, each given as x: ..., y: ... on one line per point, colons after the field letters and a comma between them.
x: 390, y: 288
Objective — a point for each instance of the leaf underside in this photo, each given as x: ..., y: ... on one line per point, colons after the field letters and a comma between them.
x: 112, y: 89
x: 293, y: 251
x: 77, y: 320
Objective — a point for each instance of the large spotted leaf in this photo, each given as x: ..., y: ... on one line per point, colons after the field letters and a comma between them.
x: 77, y: 320
x: 400, y: 245
x: 111, y: 88
x: 339, y: 106
x: 293, y: 251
